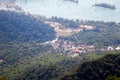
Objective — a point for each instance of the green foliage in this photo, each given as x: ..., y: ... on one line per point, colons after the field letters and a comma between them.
x: 39, y: 72
x: 26, y: 58
x: 21, y: 38
x: 99, y: 69
x: 112, y: 78
x: 20, y: 27
x: 35, y: 68
x: 103, y: 34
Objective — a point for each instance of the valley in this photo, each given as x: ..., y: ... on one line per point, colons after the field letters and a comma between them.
x: 35, y: 47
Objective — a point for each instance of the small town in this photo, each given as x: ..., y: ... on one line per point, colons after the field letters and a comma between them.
x: 69, y: 48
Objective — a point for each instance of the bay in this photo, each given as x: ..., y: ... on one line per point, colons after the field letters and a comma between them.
x: 83, y: 10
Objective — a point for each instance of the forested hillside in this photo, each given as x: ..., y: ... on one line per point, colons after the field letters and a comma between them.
x: 25, y: 56
x: 103, y: 34
x: 106, y: 68
x: 21, y: 35
x: 20, y: 27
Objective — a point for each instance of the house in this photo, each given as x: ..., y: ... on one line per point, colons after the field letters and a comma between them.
x: 74, y: 55
x: 1, y: 60
x: 117, y: 48
x: 110, y: 48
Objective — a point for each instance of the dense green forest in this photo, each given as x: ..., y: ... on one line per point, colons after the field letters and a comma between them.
x: 21, y: 37
x: 56, y: 67
x: 20, y: 27
x: 106, y: 68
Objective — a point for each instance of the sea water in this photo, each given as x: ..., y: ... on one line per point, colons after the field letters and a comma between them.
x: 83, y: 10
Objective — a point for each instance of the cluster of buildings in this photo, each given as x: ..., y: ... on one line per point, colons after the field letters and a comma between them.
x: 69, y: 48
x: 111, y: 48
x: 72, y: 49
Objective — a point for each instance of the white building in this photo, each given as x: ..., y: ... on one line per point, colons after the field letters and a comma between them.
x: 110, y: 48
x: 117, y: 48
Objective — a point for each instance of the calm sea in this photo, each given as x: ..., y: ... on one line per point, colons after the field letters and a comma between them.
x: 83, y: 10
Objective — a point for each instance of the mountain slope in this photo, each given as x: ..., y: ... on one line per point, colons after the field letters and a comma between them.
x: 21, y: 36
x: 103, y: 34
x: 97, y: 70
x: 20, y: 27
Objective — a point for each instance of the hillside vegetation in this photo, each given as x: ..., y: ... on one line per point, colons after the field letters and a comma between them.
x: 20, y: 27
x: 103, y: 34
x: 106, y: 68
x: 23, y: 56
x: 21, y: 36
